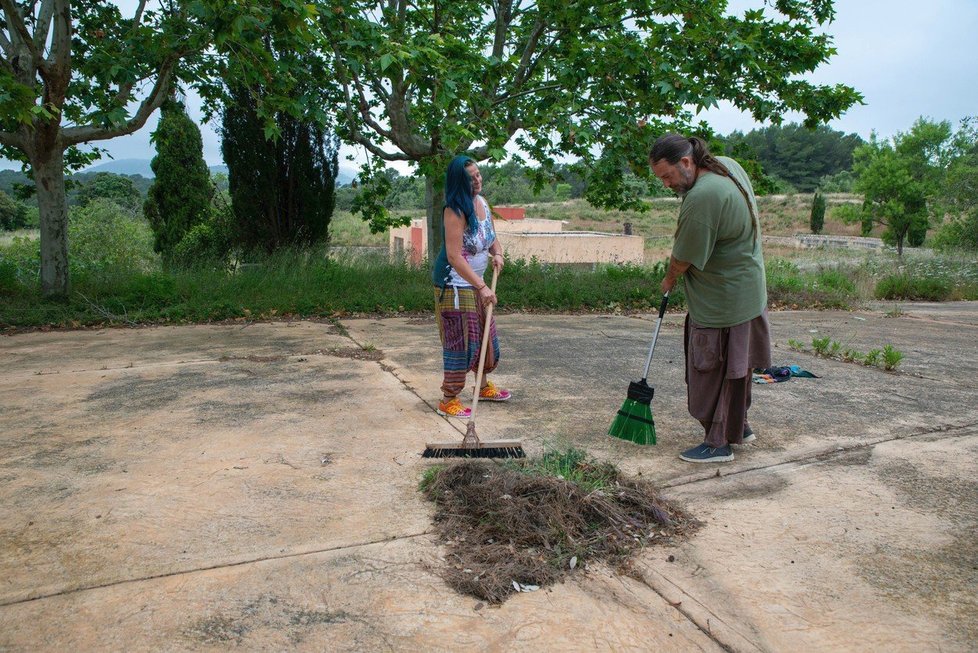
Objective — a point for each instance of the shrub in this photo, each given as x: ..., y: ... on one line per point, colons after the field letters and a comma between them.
x: 905, y: 286
x: 207, y: 244
x: 8, y: 277
x: 103, y: 239
x: 817, y: 219
x: 13, y: 214
x: 23, y: 254
x: 835, y: 280
x: 840, y: 182
x: 959, y: 233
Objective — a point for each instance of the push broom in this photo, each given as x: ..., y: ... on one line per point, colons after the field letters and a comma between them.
x: 471, y: 446
x: 634, y: 420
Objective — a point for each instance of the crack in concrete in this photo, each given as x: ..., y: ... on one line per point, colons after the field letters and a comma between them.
x: 229, y: 565
x: 386, y: 366
x: 688, y: 614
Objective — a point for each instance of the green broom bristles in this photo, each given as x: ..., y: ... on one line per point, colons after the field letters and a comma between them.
x: 634, y: 421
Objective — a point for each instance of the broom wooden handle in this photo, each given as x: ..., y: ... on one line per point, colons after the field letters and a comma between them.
x: 482, y: 350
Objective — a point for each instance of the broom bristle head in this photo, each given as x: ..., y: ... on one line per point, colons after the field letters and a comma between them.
x: 473, y: 452
x: 634, y: 423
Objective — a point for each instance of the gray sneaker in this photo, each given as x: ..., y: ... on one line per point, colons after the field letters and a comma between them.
x: 704, y: 453
x: 749, y: 435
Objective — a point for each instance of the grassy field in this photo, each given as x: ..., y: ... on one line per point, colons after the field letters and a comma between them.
x: 781, y: 215
x: 117, y: 279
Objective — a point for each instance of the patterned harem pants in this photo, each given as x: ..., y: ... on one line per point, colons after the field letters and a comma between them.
x: 460, y: 320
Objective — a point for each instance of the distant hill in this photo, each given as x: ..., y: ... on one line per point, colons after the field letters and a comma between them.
x: 141, y: 167
x: 124, y: 167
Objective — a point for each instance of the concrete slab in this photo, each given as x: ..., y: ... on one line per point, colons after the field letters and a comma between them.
x: 204, y: 487
x: 254, y: 486
x: 871, y: 549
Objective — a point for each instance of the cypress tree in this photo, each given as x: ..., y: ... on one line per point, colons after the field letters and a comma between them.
x: 180, y: 197
x: 282, y: 191
x: 817, y: 220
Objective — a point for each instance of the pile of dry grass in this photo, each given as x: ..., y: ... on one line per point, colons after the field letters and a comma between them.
x: 531, y: 524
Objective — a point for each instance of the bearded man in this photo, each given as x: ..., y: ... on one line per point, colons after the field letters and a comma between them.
x: 717, y: 251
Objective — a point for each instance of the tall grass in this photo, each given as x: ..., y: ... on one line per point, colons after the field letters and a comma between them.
x: 117, y: 279
x: 312, y: 283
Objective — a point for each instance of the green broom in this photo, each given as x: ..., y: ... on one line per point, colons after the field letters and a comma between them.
x: 634, y: 420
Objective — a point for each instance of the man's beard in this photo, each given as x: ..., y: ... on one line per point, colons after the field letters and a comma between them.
x: 689, y: 178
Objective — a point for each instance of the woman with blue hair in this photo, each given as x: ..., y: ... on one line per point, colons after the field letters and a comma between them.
x: 461, y: 294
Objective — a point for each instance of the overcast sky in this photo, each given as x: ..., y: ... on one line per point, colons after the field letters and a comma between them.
x: 907, y: 58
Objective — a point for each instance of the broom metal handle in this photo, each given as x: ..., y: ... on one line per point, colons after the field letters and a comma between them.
x: 655, y: 335
x: 482, y: 351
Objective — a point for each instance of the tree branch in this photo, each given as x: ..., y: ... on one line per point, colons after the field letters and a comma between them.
x: 401, y: 132
x: 43, y: 25
x: 502, y: 9
x: 138, y: 17
x: 354, y: 131
x: 375, y: 149
x: 378, y: 88
x: 61, y: 45
x: 8, y: 49
x: 76, y: 135
x: 530, y: 91
x: 525, y: 60
x: 482, y: 152
x: 15, y: 22
x: 11, y: 139
x: 364, y: 109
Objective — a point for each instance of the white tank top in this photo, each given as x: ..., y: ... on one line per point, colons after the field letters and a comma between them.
x: 475, y: 248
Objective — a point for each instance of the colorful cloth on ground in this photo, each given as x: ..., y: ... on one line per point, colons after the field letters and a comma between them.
x: 460, y: 319
x: 718, y: 365
x: 779, y: 374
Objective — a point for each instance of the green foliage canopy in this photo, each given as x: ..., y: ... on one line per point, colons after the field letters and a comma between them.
x: 927, y: 173
x: 72, y: 69
x: 798, y: 155
x: 958, y: 200
x: 117, y: 188
x: 596, y: 81
x: 892, y: 196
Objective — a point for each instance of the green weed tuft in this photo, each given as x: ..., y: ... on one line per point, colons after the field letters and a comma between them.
x: 575, y: 466
x: 891, y: 357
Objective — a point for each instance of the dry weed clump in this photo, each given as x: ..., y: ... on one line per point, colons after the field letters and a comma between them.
x: 513, y: 526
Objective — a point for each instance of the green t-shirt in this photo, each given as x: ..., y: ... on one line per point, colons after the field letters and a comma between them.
x: 725, y: 282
